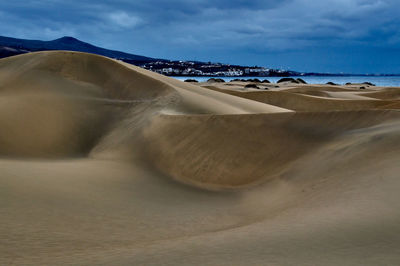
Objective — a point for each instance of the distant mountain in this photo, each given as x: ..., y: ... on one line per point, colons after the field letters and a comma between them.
x: 12, y: 46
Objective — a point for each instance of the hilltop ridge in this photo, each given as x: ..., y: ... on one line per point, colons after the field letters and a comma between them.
x: 13, y: 46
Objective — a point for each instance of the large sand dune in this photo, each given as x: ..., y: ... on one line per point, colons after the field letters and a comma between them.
x: 104, y: 163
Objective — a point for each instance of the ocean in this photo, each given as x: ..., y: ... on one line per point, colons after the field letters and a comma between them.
x: 391, y: 81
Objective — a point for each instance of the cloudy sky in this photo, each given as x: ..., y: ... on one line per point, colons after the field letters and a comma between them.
x: 354, y: 36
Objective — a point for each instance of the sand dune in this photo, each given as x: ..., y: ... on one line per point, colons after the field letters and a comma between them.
x: 306, y: 102
x: 385, y: 93
x: 104, y: 163
x: 218, y: 151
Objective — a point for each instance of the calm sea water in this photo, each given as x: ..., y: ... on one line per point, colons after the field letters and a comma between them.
x: 379, y: 81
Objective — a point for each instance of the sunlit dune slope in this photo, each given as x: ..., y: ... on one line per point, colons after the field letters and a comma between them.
x: 228, y: 151
x: 297, y: 101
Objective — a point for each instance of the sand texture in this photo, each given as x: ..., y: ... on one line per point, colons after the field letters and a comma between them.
x: 104, y: 163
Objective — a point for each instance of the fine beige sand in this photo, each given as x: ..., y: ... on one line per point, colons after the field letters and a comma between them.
x: 104, y: 163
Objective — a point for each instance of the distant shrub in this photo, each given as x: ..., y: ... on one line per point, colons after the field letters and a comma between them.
x: 331, y: 83
x: 369, y: 83
x: 364, y: 83
x: 254, y: 80
x: 216, y: 80
x: 254, y: 86
x: 287, y: 80
x: 301, y: 81
x: 190, y: 80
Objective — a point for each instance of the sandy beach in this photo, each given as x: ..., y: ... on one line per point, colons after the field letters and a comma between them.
x: 105, y: 163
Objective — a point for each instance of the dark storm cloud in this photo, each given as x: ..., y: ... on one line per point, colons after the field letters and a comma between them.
x: 263, y: 32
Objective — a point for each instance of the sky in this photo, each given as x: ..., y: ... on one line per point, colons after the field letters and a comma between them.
x: 332, y: 36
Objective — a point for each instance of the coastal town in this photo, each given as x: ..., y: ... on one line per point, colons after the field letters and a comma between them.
x: 193, y: 68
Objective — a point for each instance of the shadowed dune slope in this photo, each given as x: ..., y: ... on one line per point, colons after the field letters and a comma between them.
x: 62, y: 103
x: 104, y: 163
